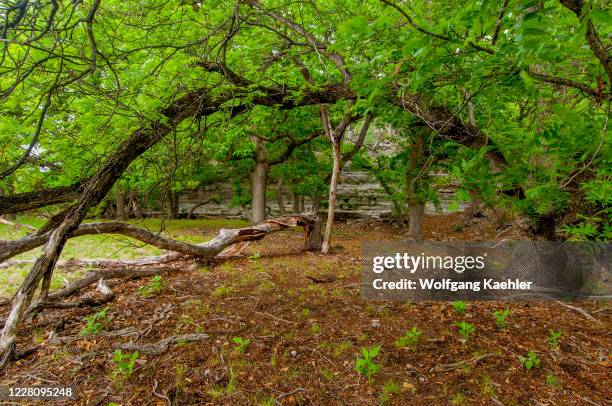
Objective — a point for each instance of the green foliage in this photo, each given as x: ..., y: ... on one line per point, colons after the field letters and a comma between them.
x: 553, y: 338
x: 410, y: 338
x: 500, y: 318
x: 241, y: 344
x: 530, y: 361
x: 553, y: 381
x: 465, y: 329
x: 124, y: 363
x: 96, y: 322
x: 460, y: 306
x: 389, y: 388
x: 154, y: 287
x: 366, y: 365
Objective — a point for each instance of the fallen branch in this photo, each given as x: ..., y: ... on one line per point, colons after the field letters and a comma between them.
x: 161, y: 346
x: 16, y: 225
x: 453, y: 366
x: 579, y: 310
x: 205, y: 251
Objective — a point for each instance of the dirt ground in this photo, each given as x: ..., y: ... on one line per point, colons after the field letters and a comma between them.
x: 305, y: 337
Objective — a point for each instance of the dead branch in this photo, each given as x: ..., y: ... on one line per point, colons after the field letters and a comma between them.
x: 581, y: 311
x: 161, y: 346
x: 455, y: 365
x: 205, y: 251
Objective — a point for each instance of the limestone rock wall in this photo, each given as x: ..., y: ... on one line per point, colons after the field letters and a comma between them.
x: 359, y: 196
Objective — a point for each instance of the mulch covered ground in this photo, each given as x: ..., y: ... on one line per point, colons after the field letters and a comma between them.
x: 305, y: 338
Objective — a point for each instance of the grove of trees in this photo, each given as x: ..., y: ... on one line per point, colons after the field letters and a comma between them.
x: 123, y: 105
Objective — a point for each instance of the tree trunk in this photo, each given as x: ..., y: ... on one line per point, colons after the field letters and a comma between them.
x: 133, y: 203
x: 415, y: 227
x: 279, y: 196
x: 171, y: 204
x: 295, y: 203
x: 415, y: 174
x: 120, y: 201
x: 331, y: 207
x: 260, y: 181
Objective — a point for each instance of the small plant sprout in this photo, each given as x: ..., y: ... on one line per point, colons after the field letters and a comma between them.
x: 553, y: 381
x: 409, y: 339
x: 124, y: 363
x: 96, y: 322
x: 241, y: 344
x: 460, y: 306
x: 530, y: 361
x: 553, y: 338
x: 465, y: 329
x: 500, y: 318
x: 388, y: 389
x: 366, y: 365
x: 155, y: 286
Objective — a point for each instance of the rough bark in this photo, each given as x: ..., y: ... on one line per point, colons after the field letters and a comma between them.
x: 133, y: 204
x: 41, y: 198
x: 120, y: 202
x: 279, y: 196
x: 415, y: 227
x: 416, y: 172
x: 295, y: 203
x: 259, y: 179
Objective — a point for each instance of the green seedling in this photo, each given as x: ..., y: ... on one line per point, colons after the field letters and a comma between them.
x: 389, y: 388
x: 409, y: 339
x: 530, y: 361
x: 96, y: 322
x: 366, y: 365
x: 460, y: 306
x: 553, y: 338
x: 465, y: 329
x: 241, y: 344
x: 124, y: 363
x: 500, y: 318
x: 155, y: 286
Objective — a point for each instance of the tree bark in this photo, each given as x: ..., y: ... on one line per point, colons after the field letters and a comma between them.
x: 133, y: 204
x: 415, y: 174
x: 331, y: 208
x: 295, y: 203
x: 260, y: 181
x: 415, y: 227
x: 171, y: 203
x: 120, y: 202
x: 279, y: 196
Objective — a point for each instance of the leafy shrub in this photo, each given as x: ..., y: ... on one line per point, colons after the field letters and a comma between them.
x: 366, y: 365
x: 410, y: 338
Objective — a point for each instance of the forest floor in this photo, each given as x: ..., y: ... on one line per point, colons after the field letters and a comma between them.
x: 305, y: 337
